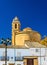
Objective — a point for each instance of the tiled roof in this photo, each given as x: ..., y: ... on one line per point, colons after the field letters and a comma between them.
x: 34, y: 45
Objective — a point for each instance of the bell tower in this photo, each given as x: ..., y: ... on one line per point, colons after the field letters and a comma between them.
x: 15, y: 29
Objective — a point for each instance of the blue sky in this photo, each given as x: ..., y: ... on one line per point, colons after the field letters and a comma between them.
x: 31, y: 13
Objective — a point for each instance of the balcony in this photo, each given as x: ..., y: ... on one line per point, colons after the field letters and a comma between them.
x: 18, y: 58
x: 2, y: 58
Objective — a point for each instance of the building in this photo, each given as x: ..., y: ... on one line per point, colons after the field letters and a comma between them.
x: 25, y: 48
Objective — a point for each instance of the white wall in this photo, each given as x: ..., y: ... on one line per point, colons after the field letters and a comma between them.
x: 10, y: 53
x: 31, y: 52
x: 2, y: 51
x: 43, y: 60
x: 25, y: 52
x: 43, y: 52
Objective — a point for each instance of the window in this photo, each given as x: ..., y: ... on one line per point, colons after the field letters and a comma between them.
x: 44, y: 58
x: 2, y: 58
x: 18, y: 57
x: 15, y: 58
x: 15, y: 25
x: 18, y: 54
x: 37, y: 50
x: 8, y: 58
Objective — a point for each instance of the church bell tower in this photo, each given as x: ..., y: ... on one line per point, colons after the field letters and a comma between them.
x: 15, y: 29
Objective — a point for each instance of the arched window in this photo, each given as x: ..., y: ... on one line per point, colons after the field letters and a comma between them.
x: 15, y: 25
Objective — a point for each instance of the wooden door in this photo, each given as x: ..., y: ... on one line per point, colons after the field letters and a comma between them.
x: 30, y: 62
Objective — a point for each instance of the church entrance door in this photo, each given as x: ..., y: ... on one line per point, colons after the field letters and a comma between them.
x: 30, y: 61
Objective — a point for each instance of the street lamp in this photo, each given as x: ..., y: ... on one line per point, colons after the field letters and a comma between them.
x: 5, y: 42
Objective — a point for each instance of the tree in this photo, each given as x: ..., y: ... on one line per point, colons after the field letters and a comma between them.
x: 44, y: 41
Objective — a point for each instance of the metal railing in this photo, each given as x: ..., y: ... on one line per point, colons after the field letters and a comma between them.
x: 2, y: 58
x: 18, y: 58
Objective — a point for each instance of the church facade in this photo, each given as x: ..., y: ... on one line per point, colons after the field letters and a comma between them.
x: 25, y: 49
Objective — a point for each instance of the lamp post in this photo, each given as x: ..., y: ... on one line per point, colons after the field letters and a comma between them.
x: 5, y: 42
x: 5, y: 54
